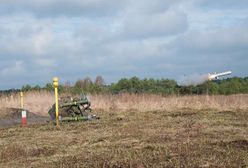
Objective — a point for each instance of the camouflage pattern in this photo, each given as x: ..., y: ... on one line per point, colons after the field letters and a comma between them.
x: 76, y: 108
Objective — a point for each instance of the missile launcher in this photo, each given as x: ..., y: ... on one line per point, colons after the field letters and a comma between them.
x: 77, y: 109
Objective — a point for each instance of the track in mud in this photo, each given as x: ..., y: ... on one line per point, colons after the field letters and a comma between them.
x: 12, y: 117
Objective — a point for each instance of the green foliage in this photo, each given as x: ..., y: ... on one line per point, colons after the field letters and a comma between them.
x: 136, y: 85
x: 49, y: 87
x: 233, y: 85
x: 26, y: 87
x: 228, y: 86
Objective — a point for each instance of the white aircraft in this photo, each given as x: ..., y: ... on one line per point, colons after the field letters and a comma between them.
x: 216, y: 76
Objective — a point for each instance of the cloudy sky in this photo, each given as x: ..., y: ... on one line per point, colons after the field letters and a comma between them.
x: 74, y: 39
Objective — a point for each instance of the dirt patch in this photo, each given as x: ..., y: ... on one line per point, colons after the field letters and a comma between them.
x: 10, y: 113
x: 12, y: 116
x: 239, y: 144
x: 228, y: 112
x: 181, y: 114
x: 12, y: 152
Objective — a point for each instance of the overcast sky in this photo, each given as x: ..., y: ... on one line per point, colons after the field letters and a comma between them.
x: 74, y: 39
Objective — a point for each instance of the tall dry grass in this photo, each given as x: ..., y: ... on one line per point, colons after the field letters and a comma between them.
x: 35, y: 101
x: 147, y: 102
x: 40, y: 102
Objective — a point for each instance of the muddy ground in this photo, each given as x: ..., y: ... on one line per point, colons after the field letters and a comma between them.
x: 12, y: 117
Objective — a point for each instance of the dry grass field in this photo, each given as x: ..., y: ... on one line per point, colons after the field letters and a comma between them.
x: 40, y: 102
x: 134, y: 131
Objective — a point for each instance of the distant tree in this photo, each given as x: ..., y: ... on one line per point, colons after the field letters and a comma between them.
x: 233, y: 85
x: 167, y: 86
x: 136, y: 85
x: 49, y: 87
x: 26, y: 87
x: 149, y: 85
x: 87, y: 82
x: 61, y: 88
x: 67, y: 84
x: 67, y: 87
x: 99, y: 81
x: 123, y: 85
x: 36, y: 87
x: 79, y: 84
x: 84, y: 85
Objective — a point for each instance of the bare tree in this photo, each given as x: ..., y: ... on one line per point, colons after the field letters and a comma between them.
x: 87, y: 81
x: 79, y: 83
x: 67, y: 85
x: 99, y: 80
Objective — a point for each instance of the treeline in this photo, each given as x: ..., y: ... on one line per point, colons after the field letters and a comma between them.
x: 228, y: 86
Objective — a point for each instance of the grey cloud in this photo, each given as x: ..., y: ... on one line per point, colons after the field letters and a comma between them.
x: 163, y: 24
x: 224, y: 41
x: 18, y: 44
x: 62, y: 7
x: 14, y: 69
x: 146, y: 39
x: 150, y: 7
x: 224, y: 49
x: 222, y: 4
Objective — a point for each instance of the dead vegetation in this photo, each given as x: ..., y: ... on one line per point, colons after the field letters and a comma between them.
x: 36, y: 102
x: 183, y: 138
x: 40, y: 102
x: 134, y: 131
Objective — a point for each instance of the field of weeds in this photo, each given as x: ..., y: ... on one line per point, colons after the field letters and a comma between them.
x: 40, y: 102
x: 134, y: 131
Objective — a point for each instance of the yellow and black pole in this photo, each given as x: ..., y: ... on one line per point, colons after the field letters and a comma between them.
x: 55, y: 85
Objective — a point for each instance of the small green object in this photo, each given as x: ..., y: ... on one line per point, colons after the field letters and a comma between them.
x: 79, y: 118
x: 76, y: 103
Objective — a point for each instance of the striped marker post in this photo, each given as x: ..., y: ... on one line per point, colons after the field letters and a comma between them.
x: 24, y: 113
x: 24, y: 119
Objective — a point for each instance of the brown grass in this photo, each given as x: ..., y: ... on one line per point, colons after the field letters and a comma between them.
x: 183, y: 138
x: 134, y: 131
x: 146, y: 102
x: 40, y: 102
x: 36, y: 102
